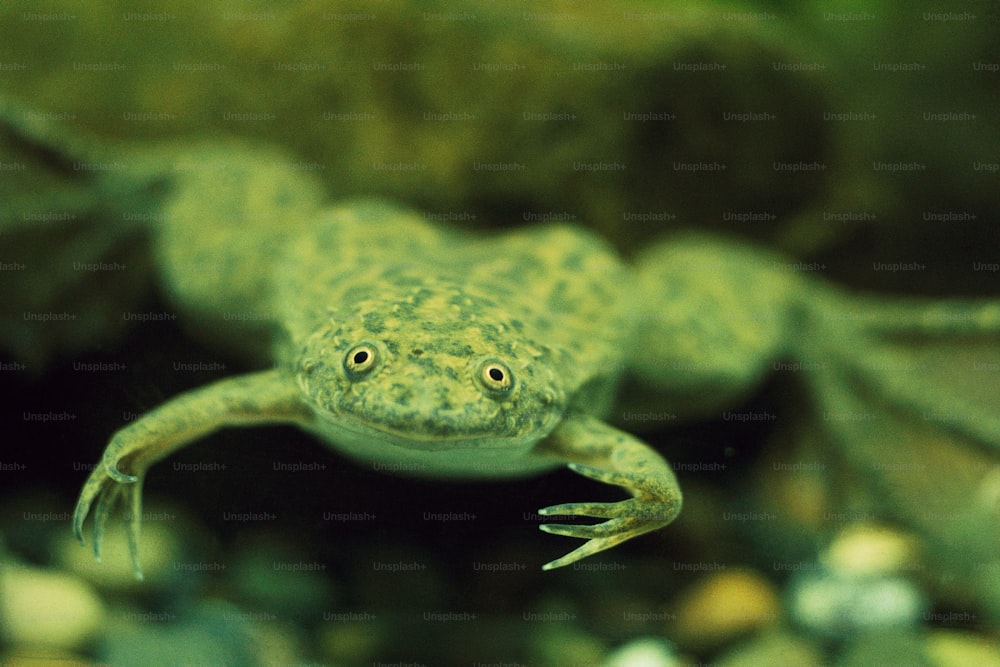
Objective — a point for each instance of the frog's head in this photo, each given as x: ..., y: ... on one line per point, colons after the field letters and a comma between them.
x: 399, y: 373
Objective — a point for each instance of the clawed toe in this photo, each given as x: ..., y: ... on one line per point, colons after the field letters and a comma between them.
x: 596, y: 510
x: 105, y: 493
x: 583, y: 531
x: 588, y: 548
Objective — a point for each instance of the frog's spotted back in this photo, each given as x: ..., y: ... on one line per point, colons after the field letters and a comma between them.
x: 553, y: 291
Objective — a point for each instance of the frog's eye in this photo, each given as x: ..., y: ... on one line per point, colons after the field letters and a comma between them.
x: 496, y: 378
x: 360, y: 360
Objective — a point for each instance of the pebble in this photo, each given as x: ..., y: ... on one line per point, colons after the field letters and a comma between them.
x: 834, y: 605
x: 48, y: 609
x: 774, y: 649
x: 724, y: 606
x: 868, y: 549
x: 158, y: 549
x: 951, y: 648
x: 643, y: 652
x: 857, y: 585
x: 564, y: 644
x: 894, y: 648
x: 34, y: 657
x: 210, y: 632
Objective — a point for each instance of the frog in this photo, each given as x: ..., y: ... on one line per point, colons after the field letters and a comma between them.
x: 395, y: 338
x: 397, y: 341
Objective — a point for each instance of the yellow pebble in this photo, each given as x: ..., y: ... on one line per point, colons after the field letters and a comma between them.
x: 47, y: 609
x: 950, y: 648
x: 724, y: 606
x: 868, y: 549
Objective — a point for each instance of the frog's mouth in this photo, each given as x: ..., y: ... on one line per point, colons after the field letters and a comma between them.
x: 349, y: 430
x: 441, y: 455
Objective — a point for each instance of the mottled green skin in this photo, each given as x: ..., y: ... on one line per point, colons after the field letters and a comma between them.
x: 396, y: 340
x: 549, y: 304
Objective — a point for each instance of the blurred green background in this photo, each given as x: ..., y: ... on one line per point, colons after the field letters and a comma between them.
x: 845, y: 134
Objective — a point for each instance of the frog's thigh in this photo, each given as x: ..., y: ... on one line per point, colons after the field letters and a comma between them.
x: 712, y: 315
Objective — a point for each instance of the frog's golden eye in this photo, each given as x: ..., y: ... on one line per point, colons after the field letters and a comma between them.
x: 360, y: 360
x: 496, y: 378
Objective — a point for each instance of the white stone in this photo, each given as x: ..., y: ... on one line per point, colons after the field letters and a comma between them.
x: 51, y: 609
x: 642, y: 652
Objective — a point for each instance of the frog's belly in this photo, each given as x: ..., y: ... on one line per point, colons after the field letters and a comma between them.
x: 460, y: 458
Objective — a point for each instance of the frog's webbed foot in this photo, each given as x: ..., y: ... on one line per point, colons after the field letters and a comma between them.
x: 620, y: 460
x: 650, y: 509
x: 109, y: 487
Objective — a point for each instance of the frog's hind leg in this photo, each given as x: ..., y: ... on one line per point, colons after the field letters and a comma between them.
x: 68, y: 221
x: 937, y: 361
x: 909, y: 395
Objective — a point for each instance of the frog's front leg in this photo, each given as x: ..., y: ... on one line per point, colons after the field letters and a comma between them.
x: 258, y: 398
x: 600, y: 452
